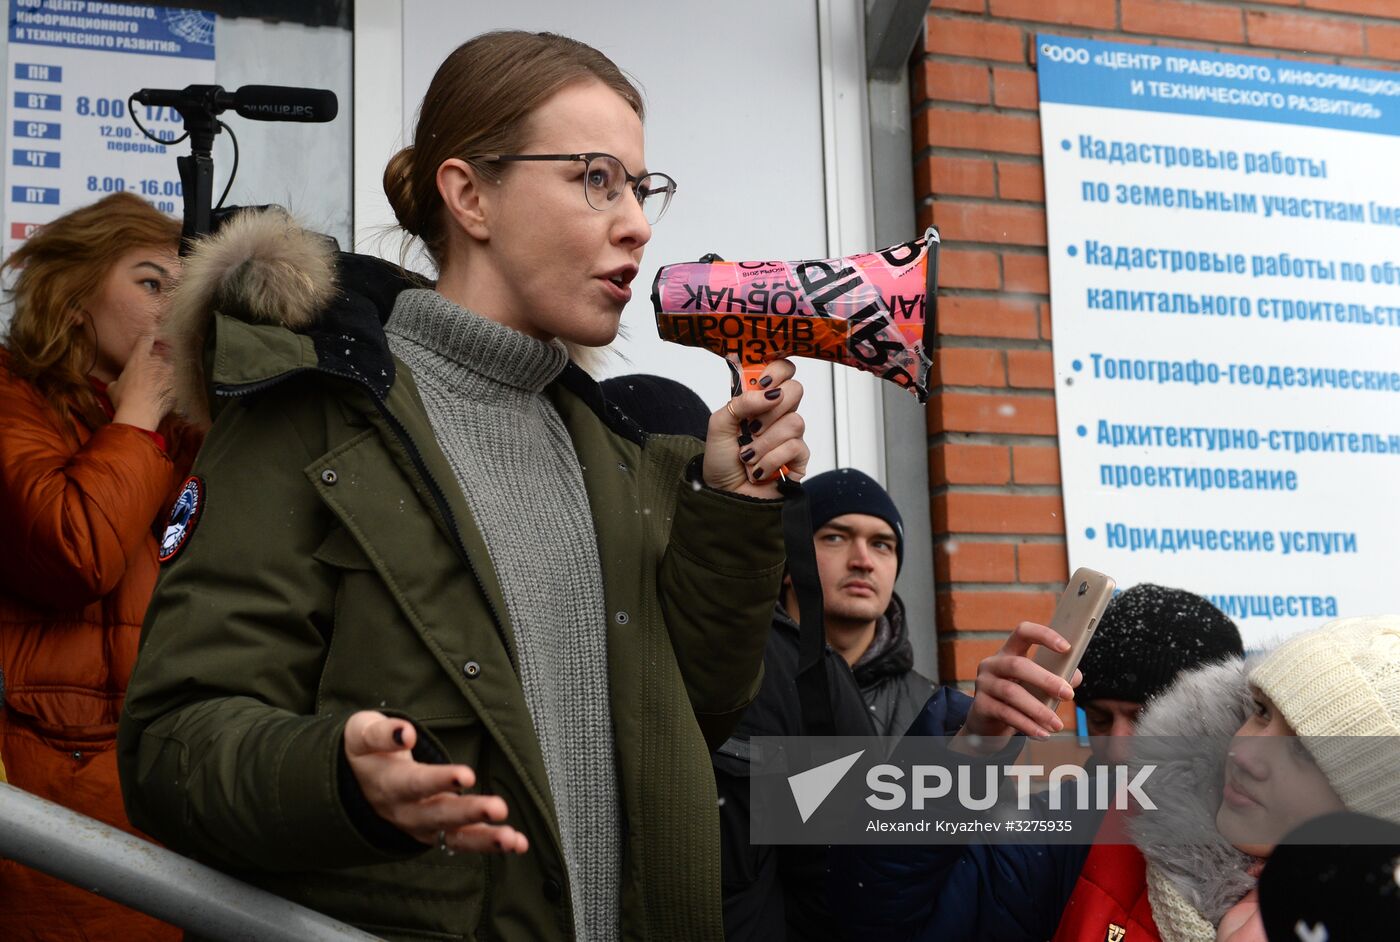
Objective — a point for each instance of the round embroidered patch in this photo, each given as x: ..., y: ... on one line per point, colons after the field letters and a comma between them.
x: 183, y: 517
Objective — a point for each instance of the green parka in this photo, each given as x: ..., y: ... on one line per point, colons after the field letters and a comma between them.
x: 332, y: 565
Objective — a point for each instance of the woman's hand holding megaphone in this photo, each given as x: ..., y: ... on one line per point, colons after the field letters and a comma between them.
x: 765, y: 418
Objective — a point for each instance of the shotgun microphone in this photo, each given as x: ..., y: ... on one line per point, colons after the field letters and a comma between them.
x: 255, y: 102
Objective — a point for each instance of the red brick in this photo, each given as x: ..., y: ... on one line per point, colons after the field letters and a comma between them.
x: 970, y: 464
x: 1029, y: 273
x: 967, y: 6
x: 1035, y: 465
x: 1383, y: 42
x: 1381, y: 9
x: 987, y: 317
x: 958, y: 657
x: 969, y: 366
x: 924, y: 218
x: 1044, y: 316
x: 1042, y: 562
x: 1096, y: 13
x: 957, y: 81
x: 974, y: 39
x: 978, y: 130
x: 1018, y: 181
x: 992, y: 611
x: 1005, y: 223
x: 960, y: 561
x: 955, y: 176
x: 1212, y: 23
x: 960, y: 268
x: 1015, y: 88
x: 1307, y: 33
x: 1030, y: 369
x: 989, y: 412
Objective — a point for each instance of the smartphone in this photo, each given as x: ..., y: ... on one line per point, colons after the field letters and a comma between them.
x: 1076, y: 616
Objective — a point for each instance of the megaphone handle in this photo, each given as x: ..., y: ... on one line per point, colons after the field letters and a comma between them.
x: 744, y: 378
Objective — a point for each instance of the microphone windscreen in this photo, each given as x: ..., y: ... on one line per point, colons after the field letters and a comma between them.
x: 284, y: 103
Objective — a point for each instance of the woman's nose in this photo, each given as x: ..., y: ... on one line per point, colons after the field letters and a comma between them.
x: 1247, y: 756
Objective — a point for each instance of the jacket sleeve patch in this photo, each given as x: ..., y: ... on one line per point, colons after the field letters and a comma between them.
x: 183, y: 518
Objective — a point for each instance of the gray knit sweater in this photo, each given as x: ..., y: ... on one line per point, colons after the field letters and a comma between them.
x: 482, y: 383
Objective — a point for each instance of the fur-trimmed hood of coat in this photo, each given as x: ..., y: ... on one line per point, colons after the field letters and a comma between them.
x: 264, y: 268
x: 1196, y: 718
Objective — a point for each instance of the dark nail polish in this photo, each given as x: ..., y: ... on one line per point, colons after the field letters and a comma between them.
x: 772, y: 394
x: 745, y: 440
x: 754, y: 426
x: 758, y: 474
x: 747, y: 456
x: 398, y: 735
x: 766, y: 382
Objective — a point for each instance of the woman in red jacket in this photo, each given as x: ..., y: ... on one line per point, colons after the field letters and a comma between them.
x: 89, y: 463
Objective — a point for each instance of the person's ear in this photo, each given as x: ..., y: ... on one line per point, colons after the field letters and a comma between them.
x: 467, y: 196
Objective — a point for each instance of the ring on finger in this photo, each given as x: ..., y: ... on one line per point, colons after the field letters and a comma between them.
x: 730, y: 406
x: 442, y: 843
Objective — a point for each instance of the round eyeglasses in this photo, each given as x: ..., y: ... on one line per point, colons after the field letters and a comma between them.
x: 604, y: 178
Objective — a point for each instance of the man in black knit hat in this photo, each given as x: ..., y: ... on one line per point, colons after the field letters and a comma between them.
x: 780, y: 892
x: 859, y: 537
x: 1148, y: 635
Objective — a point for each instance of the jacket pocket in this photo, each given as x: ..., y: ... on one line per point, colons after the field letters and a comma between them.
x: 377, y: 661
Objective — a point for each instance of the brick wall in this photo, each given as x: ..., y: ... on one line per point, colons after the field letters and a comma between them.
x: 998, y: 524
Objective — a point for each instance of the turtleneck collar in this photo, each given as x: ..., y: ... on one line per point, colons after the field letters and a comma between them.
x: 475, y: 345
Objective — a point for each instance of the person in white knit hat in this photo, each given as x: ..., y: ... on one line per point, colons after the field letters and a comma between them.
x: 1243, y: 752
x: 1321, y: 734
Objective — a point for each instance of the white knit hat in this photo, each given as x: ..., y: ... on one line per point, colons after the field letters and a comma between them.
x: 1339, y: 682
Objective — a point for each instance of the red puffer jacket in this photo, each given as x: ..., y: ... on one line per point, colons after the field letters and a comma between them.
x: 80, y: 511
x: 1109, y: 903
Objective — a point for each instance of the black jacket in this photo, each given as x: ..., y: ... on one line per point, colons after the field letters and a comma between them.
x: 894, y: 692
x: 772, y: 892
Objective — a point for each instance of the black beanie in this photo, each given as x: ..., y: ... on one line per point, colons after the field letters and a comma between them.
x: 659, y: 405
x: 848, y: 491
x: 1339, y: 873
x: 1147, y: 636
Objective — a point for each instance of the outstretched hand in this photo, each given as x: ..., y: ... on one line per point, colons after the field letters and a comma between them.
x: 424, y: 800
x: 1002, y: 705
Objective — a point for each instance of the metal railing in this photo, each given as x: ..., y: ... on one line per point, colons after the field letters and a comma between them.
x: 119, y: 866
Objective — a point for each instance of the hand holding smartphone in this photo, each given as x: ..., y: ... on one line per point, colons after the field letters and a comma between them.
x: 1017, y: 691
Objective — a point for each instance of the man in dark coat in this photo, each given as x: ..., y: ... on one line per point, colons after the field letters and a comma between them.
x: 771, y: 893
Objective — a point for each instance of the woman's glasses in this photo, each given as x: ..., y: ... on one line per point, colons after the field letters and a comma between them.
x: 604, y: 178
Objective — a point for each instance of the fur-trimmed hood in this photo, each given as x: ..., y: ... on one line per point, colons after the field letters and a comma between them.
x: 263, y: 268
x: 1186, y: 732
x: 260, y: 267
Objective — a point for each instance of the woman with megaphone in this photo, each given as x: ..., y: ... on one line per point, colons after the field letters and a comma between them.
x: 445, y: 639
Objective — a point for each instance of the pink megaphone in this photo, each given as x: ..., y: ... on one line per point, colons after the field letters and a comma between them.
x: 875, y: 312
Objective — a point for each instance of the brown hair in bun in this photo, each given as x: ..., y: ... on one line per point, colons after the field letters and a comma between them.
x: 478, y: 103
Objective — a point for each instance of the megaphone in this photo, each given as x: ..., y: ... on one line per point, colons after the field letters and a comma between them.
x: 875, y: 312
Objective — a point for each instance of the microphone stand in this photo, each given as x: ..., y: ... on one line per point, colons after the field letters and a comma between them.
x: 197, y: 178
x: 197, y: 168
